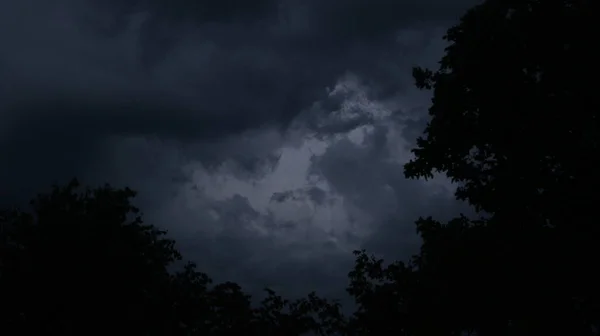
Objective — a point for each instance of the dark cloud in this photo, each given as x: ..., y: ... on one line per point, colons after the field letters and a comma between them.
x: 267, y: 136
x: 317, y: 195
x: 181, y: 68
x: 369, y: 173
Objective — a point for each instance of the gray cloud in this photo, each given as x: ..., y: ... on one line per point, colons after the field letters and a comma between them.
x: 267, y: 136
x: 214, y: 77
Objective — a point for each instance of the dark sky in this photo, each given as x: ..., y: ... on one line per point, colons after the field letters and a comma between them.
x: 267, y: 136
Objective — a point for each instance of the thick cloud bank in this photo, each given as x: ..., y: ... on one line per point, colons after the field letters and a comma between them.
x: 267, y: 136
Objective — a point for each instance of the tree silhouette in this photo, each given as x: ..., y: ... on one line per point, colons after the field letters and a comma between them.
x: 515, y: 125
x: 514, y: 119
x: 84, y: 262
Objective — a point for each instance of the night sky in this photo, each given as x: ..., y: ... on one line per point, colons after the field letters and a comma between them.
x: 267, y: 136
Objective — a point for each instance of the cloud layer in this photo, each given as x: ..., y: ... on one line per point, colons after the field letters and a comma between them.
x: 267, y: 136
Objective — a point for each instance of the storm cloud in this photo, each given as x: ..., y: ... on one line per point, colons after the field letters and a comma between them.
x: 267, y: 136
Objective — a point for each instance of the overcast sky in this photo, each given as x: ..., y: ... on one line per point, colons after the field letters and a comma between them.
x: 267, y: 136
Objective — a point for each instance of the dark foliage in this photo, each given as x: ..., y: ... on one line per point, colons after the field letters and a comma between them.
x: 515, y: 124
x: 84, y: 262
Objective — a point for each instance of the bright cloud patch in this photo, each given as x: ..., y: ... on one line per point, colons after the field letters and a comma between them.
x: 323, y: 194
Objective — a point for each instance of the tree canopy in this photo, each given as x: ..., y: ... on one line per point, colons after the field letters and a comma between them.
x: 514, y: 117
x: 84, y: 262
x: 513, y: 122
